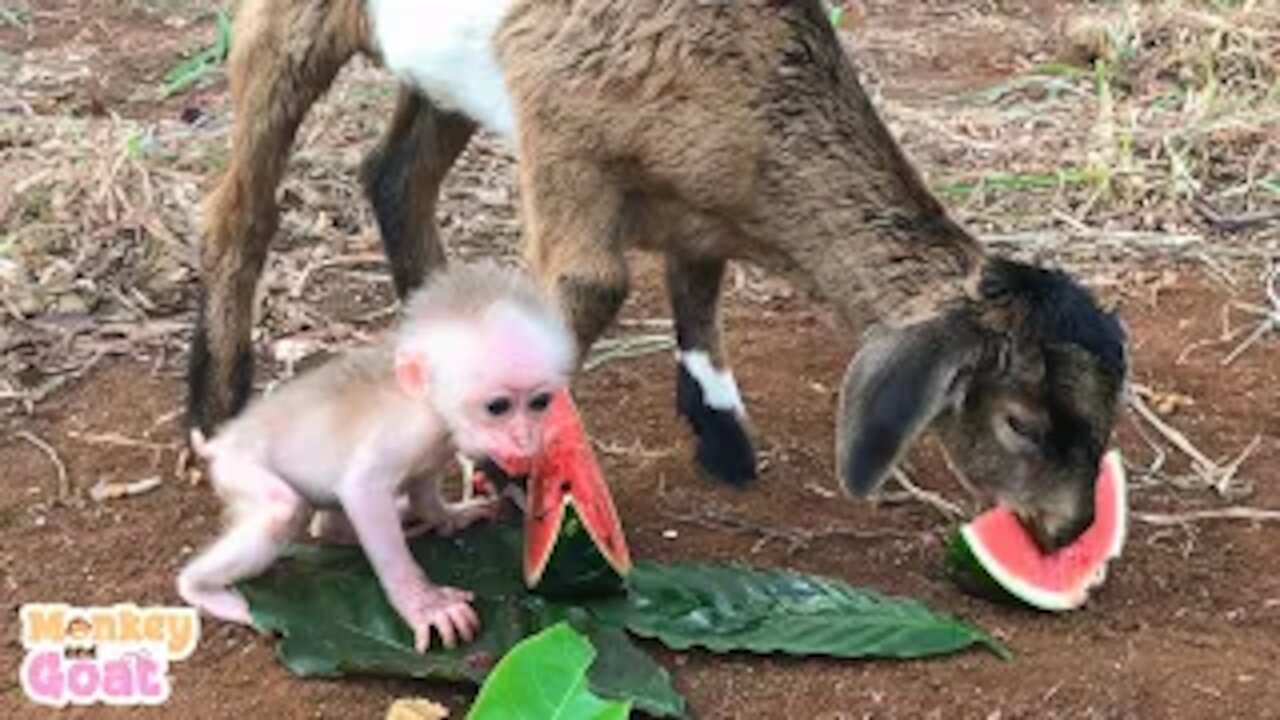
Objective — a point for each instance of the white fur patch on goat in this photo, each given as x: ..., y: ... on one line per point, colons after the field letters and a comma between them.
x: 445, y: 49
x: 719, y: 389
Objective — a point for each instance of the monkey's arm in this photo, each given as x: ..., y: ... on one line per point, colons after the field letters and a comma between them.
x: 369, y: 503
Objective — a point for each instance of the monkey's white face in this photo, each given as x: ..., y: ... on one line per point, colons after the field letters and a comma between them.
x: 504, y: 423
x: 493, y: 387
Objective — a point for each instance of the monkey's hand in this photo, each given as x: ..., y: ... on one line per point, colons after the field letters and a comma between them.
x: 424, y: 606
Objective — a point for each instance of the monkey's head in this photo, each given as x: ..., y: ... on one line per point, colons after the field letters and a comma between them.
x: 1025, y: 383
x: 488, y: 357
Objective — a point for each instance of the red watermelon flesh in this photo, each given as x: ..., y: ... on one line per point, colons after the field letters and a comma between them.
x: 1061, y: 580
x: 566, y: 471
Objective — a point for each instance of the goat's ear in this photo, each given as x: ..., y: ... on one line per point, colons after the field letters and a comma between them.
x: 894, y: 387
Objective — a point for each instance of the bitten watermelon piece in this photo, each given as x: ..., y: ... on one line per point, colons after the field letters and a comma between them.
x: 565, y: 472
x: 994, y: 555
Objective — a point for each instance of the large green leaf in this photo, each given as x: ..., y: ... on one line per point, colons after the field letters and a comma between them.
x: 545, y: 678
x: 730, y: 607
x: 326, y: 605
x: 332, y: 618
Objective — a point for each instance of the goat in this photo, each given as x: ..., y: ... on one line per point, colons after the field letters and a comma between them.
x: 704, y: 130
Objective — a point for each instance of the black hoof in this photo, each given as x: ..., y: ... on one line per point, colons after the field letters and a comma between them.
x: 724, y: 447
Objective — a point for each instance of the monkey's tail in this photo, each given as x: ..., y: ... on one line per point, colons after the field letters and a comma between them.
x: 199, y: 444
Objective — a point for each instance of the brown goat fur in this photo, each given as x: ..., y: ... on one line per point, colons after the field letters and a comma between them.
x: 706, y: 131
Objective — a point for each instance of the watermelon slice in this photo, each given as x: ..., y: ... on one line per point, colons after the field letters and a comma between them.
x: 995, y: 556
x: 565, y: 472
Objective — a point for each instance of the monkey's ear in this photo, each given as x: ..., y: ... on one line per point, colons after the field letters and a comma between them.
x: 412, y: 373
x: 894, y: 387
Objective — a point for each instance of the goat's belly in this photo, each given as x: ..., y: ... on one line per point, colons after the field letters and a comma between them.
x: 445, y: 48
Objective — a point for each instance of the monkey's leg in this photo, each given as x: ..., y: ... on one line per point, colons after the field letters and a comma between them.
x: 331, y: 525
x: 283, y: 59
x: 420, y: 603
x: 445, y: 518
x: 402, y: 178
x: 706, y: 393
x: 575, y: 224
x: 267, y: 514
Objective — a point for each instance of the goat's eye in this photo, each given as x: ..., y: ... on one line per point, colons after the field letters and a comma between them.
x: 498, y: 407
x: 540, y: 402
x: 1028, y: 431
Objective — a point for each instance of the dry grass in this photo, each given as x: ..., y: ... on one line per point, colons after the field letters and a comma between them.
x: 1182, y: 102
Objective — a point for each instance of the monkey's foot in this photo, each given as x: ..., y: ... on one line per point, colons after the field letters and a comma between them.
x: 452, y: 518
x: 223, y: 603
x: 423, y: 606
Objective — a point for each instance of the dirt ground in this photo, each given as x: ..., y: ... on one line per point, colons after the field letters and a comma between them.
x: 1187, y: 626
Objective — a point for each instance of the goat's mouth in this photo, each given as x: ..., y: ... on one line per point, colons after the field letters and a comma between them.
x: 1052, y: 532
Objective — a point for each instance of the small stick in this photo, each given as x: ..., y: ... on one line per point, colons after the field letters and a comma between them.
x: 64, y: 482
x: 1171, y: 433
x: 796, y: 539
x: 954, y: 468
x: 947, y: 508
x: 1233, y: 223
x: 118, y: 440
x: 103, y: 490
x: 1270, y: 317
x: 610, y: 350
x: 1235, y: 512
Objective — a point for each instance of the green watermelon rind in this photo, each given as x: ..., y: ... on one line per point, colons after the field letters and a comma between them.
x: 976, y: 569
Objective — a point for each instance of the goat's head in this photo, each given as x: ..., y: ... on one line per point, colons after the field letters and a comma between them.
x: 1025, y: 382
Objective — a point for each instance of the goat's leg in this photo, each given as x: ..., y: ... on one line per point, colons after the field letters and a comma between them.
x: 706, y: 393
x: 402, y: 178
x: 574, y: 224
x: 283, y: 59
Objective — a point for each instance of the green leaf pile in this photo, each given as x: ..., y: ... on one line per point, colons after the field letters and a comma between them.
x: 332, y: 618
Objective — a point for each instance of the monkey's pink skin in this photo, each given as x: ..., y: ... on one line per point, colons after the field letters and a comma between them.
x: 566, y: 472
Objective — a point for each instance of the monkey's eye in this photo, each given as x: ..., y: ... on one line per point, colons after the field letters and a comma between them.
x: 498, y: 406
x: 540, y: 402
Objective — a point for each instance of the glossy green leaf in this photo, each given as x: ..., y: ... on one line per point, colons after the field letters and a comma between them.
x: 545, y: 678
x: 727, y: 607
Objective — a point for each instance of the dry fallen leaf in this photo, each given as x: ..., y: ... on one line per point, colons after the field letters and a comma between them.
x: 416, y: 709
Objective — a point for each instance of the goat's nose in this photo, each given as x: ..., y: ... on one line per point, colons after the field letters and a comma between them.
x: 1052, y: 531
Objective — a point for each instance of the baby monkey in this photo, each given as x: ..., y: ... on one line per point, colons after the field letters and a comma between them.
x: 471, y: 370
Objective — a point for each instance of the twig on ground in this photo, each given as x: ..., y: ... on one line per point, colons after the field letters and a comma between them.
x: 1233, y: 223
x: 1235, y: 512
x: 911, y: 491
x: 1222, y: 478
x: 1270, y: 321
x: 961, y: 479
x: 118, y: 440
x: 300, y: 283
x: 796, y: 539
x: 635, y: 450
x: 64, y: 481
x: 103, y: 490
x: 627, y: 348
x: 55, y: 383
